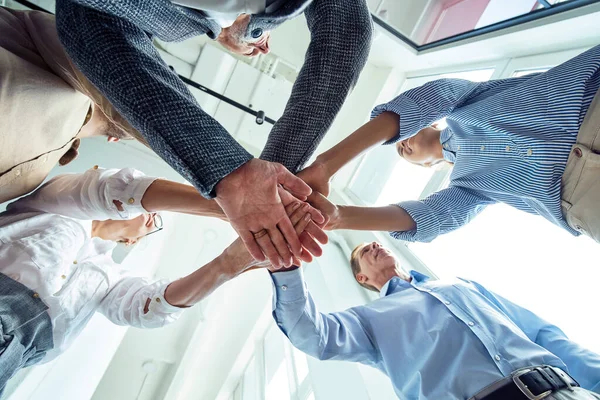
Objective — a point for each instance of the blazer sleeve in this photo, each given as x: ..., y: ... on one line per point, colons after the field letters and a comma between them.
x: 110, y: 42
x: 341, y: 33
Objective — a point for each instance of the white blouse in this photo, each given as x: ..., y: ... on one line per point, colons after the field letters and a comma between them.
x: 46, y: 244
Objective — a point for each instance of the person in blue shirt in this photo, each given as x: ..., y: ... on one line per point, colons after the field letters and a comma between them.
x: 436, y: 339
x: 532, y: 142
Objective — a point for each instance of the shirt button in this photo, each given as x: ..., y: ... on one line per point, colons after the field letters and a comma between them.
x: 158, y: 299
x: 529, y: 152
x: 75, y: 262
x: 63, y: 276
x: 507, y: 148
x: 131, y: 200
x: 280, y: 324
x: 482, y: 148
x: 577, y: 151
x: 95, y: 167
x: 497, y: 357
x: 283, y: 287
x: 447, y: 303
x: 17, y: 172
x: 458, y: 148
x: 471, y: 324
x: 36, y: 295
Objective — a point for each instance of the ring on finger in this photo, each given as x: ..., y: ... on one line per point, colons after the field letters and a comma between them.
x: 259, y: 234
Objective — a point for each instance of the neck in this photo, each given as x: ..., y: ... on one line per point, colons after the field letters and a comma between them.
x: 106, y: 230
x: 396, y: 272
x: 439, y: 153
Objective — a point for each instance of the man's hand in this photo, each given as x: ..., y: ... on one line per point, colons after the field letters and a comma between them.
x: 317, y: 177
x: 330, y: 210
x: 251, y: 198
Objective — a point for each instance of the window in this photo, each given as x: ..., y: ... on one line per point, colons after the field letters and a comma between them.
x: 425, y: 24
x: 277, y: 371
x: 524, y: 72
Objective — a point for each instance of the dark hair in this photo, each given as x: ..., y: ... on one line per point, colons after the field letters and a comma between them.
x: 355, y: 265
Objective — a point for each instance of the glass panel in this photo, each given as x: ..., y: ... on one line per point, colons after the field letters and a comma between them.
x: 525, y: 259
x: 250, y: 382
x: 279, y: 387
x: 311, y: 397
x: 524, y: 72
x: 428, y: 21
x: 301, y: 365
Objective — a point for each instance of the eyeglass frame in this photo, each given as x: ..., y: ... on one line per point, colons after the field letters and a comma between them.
x: 158, y: 225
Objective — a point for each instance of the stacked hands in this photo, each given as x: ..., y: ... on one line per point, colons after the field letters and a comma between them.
x: 279, y: 217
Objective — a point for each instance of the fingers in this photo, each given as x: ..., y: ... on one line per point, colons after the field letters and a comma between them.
x: 269, y: 250
x: 287, y: 199
x: 252, y: 246
x: 292, y: 183
x: 317, y: 232
x: 281, y: 246
x: 310, y: 245
x: 287, y: 229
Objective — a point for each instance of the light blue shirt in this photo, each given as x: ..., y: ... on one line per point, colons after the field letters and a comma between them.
x: 434, y: 340
x: 509, y: 141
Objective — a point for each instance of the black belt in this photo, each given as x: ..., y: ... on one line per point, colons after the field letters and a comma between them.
x: 529, y: 384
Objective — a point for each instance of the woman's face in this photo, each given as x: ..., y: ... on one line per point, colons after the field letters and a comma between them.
x: 423, y: 149
x: 135, y: 229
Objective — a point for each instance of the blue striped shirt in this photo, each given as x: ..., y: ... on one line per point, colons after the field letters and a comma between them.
x: 509, y: 140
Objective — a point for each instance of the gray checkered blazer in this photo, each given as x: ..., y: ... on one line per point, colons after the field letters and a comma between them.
x: 110, y: 41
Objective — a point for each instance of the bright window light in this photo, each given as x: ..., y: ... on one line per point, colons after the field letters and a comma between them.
x: 524, y: 72
x: 279, y: 386
x: 528, y: 260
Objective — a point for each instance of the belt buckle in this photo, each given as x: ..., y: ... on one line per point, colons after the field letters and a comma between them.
x: 524, y: 389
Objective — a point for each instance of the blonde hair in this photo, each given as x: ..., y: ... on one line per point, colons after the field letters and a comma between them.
x: 355, y: 265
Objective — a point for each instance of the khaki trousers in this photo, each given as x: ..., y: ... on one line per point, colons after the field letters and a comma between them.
x: 576, y: 394
x: 581, y: 179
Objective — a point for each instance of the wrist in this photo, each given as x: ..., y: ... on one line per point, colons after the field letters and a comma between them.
x: 326, y: 163
x: 339, y: 221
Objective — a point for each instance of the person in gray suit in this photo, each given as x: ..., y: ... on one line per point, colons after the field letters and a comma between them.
x: 111, y: 43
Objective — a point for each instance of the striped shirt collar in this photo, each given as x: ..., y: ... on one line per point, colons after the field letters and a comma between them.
x: 449, y: 146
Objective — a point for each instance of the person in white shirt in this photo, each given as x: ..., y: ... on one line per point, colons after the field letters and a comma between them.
x: 56, y: 266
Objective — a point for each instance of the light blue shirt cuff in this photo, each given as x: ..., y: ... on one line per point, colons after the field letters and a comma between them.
x: 428, y: 225
x: 410, y: 116
x: 288, y: 287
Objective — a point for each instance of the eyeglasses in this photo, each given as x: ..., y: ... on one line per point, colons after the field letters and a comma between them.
x: 158, y: 224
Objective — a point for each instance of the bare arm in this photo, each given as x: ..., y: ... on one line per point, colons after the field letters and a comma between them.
x: 388, y: 218
x: 374, y: 133
x: 163, y: 195
x: 233, y: 261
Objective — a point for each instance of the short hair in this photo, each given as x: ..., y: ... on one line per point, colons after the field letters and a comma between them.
x: 355, y: 265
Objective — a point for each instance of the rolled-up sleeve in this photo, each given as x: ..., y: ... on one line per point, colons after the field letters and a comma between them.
x: 333, y: 336
x: 422, y: 106
x: 125, y: 303
x: 441, y: 212
x: 91, y: 195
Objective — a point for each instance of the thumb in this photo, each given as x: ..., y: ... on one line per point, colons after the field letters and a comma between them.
x: 292, y: 183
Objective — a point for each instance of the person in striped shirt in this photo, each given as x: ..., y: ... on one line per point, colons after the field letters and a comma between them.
x: 532, y: 142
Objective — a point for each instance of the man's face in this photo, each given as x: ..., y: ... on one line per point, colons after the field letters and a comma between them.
x: 234, y: 38
x: 377, y: 264
x: 421, y: 149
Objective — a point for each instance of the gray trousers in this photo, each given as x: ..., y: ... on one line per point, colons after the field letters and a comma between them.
x: 576, y: 394
x: 581, y: 179
x: 25, y: 328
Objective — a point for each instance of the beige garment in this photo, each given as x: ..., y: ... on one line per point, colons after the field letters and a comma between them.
x: 581, y: 179
x: 44, y: 101
x: 576, y: 394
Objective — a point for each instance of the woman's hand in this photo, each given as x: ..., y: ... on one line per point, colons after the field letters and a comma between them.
x: 317, y: 177
x: 328, y: 209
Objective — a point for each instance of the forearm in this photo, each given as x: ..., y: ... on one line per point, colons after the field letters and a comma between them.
x: 374, y: 133
x: 164, y: 195
x: 388, y: 218
x: 193, y: 288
